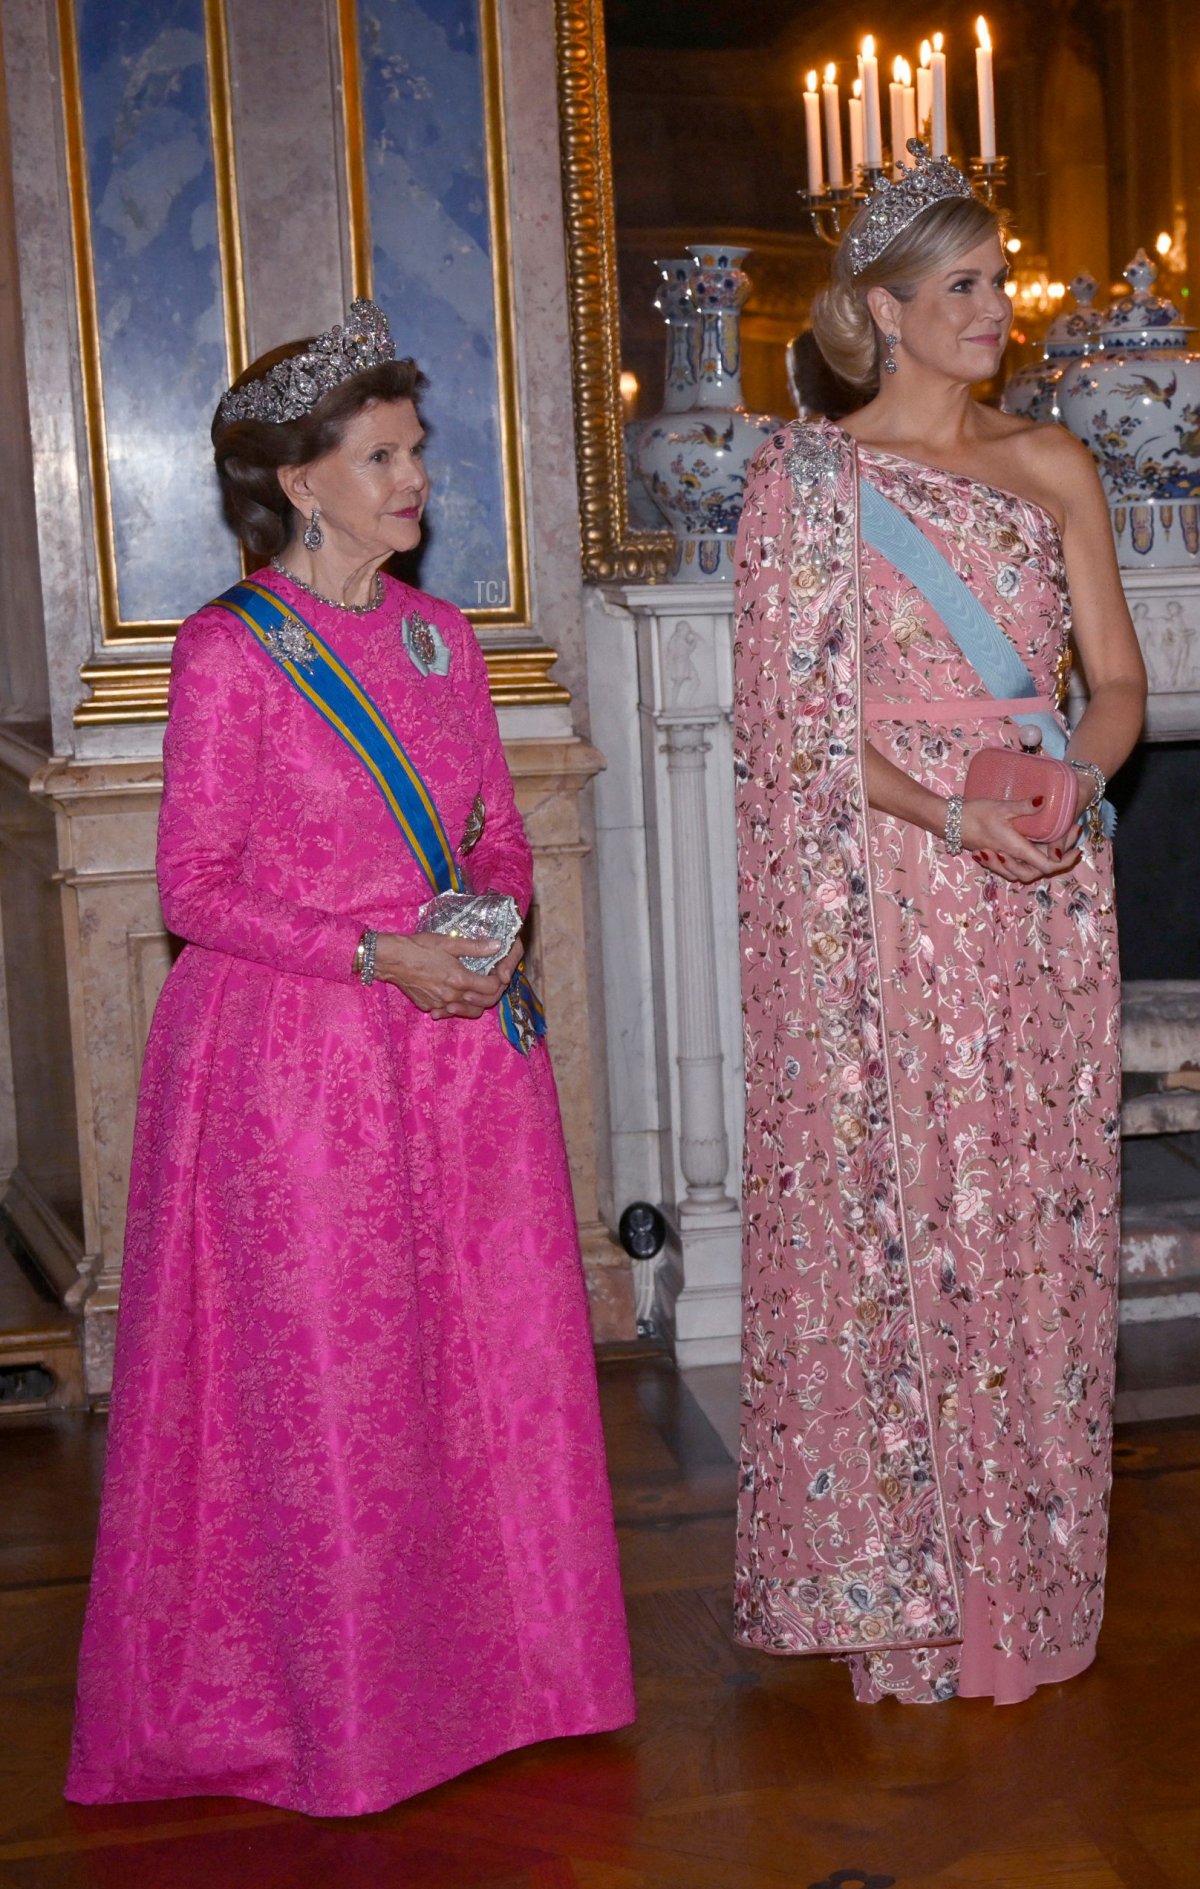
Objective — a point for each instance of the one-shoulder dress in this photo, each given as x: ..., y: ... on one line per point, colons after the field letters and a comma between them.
x: 933, y: 1148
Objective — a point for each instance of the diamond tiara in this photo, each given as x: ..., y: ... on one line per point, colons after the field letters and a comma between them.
x: 892, y: 206
x: 294, y: 385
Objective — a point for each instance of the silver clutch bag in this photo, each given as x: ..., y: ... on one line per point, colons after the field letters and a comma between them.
x: 474, y: 915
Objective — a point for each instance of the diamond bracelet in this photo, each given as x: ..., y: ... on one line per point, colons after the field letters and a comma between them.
x: 364, y: 957
x: 954, y: 814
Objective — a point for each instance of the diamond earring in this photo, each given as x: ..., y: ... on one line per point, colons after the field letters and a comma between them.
x: 314, y: 537
x: 889, y: 366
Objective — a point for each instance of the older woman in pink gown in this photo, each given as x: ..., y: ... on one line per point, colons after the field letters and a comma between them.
x: 356, y: 1532
x: 931, y: 1000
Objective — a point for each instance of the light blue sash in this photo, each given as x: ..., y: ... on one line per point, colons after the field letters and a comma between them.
x: 976, y: 632
x: 338, y: 696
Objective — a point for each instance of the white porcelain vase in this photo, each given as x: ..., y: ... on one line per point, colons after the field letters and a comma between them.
x: 1072, y: 336
x: 1137, y: 406
x: 693, y: 462
x: 677, y: 306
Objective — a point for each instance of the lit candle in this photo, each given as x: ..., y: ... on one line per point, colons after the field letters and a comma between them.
x: 833, y: 128
x: 940, y: 145
x: 896, y: 102
x: 924, y: 90
x: 987, y: 98
x: 854, y: 106
x: 872, y: 123
x: 812, y: 130
x: 910, y: 114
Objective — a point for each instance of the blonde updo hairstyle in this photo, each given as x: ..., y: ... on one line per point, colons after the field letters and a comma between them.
x: 846, y: 332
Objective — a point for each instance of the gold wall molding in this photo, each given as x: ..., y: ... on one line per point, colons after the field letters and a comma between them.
x: 137, y: 692
x: 229, y: 228
x: 358, y: 203
x: 611, y: 551
x: 116, y: 629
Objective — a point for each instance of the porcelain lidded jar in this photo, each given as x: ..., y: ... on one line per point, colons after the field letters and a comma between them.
x: 694, y: 462
x: 1073, y: 335
x: 1137, y: 406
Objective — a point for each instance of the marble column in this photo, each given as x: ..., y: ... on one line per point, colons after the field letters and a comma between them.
x: 703, y: 1143
x: 660, y: 669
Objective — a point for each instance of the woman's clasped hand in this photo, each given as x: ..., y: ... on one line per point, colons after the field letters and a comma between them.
x: 427, y: 966
x: 991, y: 836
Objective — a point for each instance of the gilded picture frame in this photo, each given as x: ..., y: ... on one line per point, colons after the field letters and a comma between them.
x: 611, y: 550
x: 127, y: 679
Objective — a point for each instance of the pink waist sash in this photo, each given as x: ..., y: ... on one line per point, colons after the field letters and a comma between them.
x: 960, y: 708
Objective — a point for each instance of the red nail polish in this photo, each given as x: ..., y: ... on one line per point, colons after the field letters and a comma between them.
x: 1001, y: 858
x: 1039, y: 800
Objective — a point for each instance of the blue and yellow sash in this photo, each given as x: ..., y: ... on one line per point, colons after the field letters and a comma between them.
x: 337, y: 695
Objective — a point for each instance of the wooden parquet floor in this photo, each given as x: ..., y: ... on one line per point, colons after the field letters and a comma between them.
x: 741, y: 1773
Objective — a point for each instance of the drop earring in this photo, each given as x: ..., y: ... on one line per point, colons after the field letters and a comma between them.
x: 314, y: 537
x: 889, y: 366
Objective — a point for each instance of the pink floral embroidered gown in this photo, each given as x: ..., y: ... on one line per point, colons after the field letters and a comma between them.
x: 933, y: 1119
x: 356, y: 1532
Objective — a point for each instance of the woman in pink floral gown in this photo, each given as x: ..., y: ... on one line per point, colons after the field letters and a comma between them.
x: 933, y: 1105
x: 356, y: 1533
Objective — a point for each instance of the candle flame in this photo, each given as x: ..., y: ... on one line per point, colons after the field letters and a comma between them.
x: 811, y: 81
x: 898, y: 69
x: 629, y: 384
x: 831, y: 74
x: 926, y: 53
x: 1056, y: 290
x: 858, y: 88
x: 868, y: 46
x: 985, y: 38
x: 1013, y: 245
x: 939, y: 40
x: 1162, y: 243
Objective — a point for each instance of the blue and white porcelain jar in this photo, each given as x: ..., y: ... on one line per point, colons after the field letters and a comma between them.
x: 1073, y: 335
x: 694, y: 462
x: 1137, y: 406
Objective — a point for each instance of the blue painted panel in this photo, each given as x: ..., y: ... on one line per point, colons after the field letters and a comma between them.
x: 159, y: 298
x: 423, y: 106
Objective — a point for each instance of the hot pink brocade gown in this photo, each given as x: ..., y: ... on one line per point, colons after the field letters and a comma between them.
x: 356, y: 1532
x: 1001, y: 1007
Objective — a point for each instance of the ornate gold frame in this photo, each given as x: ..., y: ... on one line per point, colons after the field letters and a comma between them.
x: 136, y: 691
x: 611, y: 551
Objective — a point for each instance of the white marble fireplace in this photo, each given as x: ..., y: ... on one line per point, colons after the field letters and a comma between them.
x: 660, y: 660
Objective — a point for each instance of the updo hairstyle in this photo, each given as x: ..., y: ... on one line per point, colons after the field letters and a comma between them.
x: 249, y: 452
x: 844, y: 326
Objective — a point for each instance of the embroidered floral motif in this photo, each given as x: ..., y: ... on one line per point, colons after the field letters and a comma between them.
x: 426, y: 645
x: 289, y: 641
x: 1008, y: 580
x: 835, y: 1573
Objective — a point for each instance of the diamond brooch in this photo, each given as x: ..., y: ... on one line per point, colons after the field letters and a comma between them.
x: 289, y: 641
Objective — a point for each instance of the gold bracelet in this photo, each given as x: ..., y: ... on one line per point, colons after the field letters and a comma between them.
x: 360, y: 955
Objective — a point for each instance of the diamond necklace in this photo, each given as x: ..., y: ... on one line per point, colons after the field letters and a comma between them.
x: 355, y: 609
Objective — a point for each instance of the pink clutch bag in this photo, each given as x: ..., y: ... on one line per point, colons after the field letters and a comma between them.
x: 1011, y: 774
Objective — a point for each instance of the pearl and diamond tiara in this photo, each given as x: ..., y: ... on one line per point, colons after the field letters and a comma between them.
x: 891, y: 206
x: 294, y: 385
